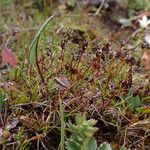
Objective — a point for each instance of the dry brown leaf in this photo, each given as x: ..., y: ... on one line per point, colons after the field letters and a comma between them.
x: 8, y: 57
x: 62, y: 83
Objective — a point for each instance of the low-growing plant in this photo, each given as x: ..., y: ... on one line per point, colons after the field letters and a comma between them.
x: 82, y: 134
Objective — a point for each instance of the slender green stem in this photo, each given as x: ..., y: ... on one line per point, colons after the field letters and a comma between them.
x: 62, y: 142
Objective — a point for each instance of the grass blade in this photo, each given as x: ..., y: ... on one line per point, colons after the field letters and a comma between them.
x: 1, y: 100
x: 32, y: 49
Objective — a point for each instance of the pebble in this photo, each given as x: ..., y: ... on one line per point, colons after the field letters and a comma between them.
x: 147, y: 39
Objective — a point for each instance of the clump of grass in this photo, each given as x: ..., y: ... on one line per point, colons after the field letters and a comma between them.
x: 93, y: 74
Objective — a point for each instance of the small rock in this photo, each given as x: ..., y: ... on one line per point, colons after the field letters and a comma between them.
x: 15, y: 30
x: 12, y: 124
x: 147, y: 39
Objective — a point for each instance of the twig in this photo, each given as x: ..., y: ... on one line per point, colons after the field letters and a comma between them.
x: 100, y: 7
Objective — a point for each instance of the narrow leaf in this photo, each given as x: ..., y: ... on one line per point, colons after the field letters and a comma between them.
x: 1, y: 100
x: 32, y: 49
x: 145, y: 110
